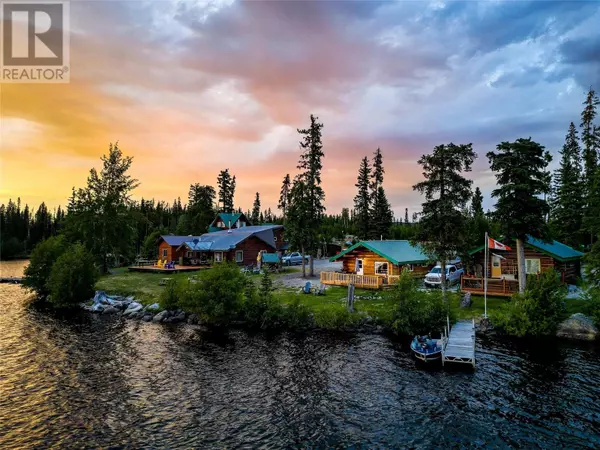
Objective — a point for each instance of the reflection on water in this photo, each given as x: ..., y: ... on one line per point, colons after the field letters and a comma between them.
x: 93, y: 381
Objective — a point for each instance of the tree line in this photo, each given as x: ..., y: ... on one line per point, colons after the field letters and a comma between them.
x: 528, y: 200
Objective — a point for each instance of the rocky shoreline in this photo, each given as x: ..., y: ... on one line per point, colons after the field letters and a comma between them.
x: 576, y: 327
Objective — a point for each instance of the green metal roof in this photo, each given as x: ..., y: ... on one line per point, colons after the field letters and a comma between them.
x: 228, y: 218
x: 270, y: 258
x: 397, y: 252
x: 557, y: 250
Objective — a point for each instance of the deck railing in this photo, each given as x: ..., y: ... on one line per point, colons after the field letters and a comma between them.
x: 344, y: 279
x: 495, y: 286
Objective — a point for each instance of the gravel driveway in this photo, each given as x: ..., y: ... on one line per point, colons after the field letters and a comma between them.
x: 294, y: 279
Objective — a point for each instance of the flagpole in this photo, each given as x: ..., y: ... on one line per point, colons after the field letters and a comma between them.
x: 485, y: 276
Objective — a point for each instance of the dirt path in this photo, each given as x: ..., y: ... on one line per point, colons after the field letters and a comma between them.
x: 294, y: 279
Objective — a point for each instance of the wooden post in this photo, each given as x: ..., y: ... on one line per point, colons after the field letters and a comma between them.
x: 350, y: 303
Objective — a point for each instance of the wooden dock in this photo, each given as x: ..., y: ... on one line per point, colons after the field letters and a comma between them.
x: 459, y: 347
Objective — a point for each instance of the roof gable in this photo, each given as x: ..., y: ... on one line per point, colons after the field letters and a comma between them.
x: 229, y: 218
x: 397, y: 252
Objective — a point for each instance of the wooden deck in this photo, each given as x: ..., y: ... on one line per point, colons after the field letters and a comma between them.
x: 152, y: 269
x: 495, y: 286
x: 344, y: 279
x: 460, y: 345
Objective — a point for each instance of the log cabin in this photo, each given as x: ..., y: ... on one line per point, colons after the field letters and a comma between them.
x: 502, y: 269
x: 168, y: 247
x: 375, y: 264
x: 240, y: 245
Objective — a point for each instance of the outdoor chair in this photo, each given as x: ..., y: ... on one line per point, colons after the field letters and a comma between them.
x: 306, y: 288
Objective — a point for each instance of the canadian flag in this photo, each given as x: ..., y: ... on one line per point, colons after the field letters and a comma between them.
x: 494, y: 244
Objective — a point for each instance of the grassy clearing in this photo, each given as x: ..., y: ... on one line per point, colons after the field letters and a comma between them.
x: 377, y: 304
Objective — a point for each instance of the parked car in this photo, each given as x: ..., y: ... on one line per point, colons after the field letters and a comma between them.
x: 453, y: 274
x: 294, y: 258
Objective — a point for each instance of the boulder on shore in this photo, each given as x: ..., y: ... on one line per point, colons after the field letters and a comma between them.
x: 110, y: 310
x: 147, y: 318
x: 161, y: 316
x: 578, y: 326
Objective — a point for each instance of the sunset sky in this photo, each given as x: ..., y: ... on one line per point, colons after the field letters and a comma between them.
x: 189, y: 88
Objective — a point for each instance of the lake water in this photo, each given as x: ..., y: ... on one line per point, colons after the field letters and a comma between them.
x: 92, y: 381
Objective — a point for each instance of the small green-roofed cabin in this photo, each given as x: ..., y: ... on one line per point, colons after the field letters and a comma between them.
x: 502, y: 266
x: 229, y: 221
x: 375, y: 264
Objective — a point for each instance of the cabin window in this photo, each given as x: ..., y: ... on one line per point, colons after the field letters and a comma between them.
x: 409, y: 267
x: 381, y: 268
x: 189, y: 254
x: 218, y: 257
x: 164, y: 252
x: 533, y: 266
x: 239, y: 256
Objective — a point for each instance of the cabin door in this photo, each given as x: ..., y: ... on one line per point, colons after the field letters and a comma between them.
x: 359, y: 267
x: 496, y: 267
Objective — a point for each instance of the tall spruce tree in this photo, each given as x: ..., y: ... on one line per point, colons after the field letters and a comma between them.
x: 284, y: 195
x: 311, y: 165
x: 100, y: 216
x: 381, y: 212
x: 521, y: 175
x: 226, y: 191
x: 477, y: 203
x: 405, y: 216
x: 568, y: 192
x: 201, y: 210
x: 362, y: 201
x: 298, y: 222
x: 589, y: 137
x: 255, y: 217
x: 442, y: 231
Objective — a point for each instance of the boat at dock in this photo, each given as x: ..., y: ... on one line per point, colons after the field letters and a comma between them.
x: 426, y: 349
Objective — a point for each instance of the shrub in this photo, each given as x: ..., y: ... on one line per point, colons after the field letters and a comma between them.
x: 44, y: 255
x: 336, y: 319
x: 296, y: 316
x: 218, y: 298
x: 169, y: 298
x: 592, y: 297
x: 538, y: 311
x: 417, y: 312
x: 72, y: 277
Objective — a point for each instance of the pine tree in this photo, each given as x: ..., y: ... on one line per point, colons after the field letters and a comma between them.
x: 201, y: 211
x: 311, y: 165
x: 254, y: 218
x: 442, y: 231
x: 477, y: 203
x: 406, y: 216
x: 226, y: 190
x: 101, y: 215
x: 520, y: 169
x: 381, y: 212
x: 589, y: 137
x: 284, y: 195
x: 362, y: 201
x: 568, y: 192
x: 297, y: 224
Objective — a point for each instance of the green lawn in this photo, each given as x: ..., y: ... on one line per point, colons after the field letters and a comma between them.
x: 377, y: 304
